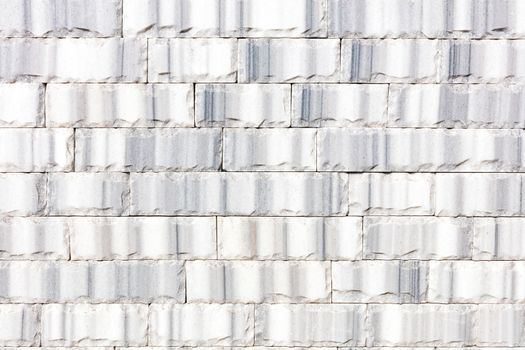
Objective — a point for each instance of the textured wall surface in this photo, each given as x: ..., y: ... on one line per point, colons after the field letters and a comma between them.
x: 262, y: 174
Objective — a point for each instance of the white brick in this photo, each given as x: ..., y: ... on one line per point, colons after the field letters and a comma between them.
x: 499, y: 325
x: 391, y: 194
x: 422, y: 238
x: 72, y: 60
x: 204, y: 18
x: 242, y: 105
x: 269, y: 149
x: 22, y: 194
x: 257, y: 281
x: 142, y: 238
x: 499, y: 239
x: 138, y: 150
x: 390, y: 61
x: 420, y: 325
x: 479, y: 194
x: 94, y: 325
x: 289, y: 238
x: 483, y: 61
x: 33, y: 239
x: 476, y: 282
x: 309, y: 325
x: 289, y: 60
x: 21, y: 105
x: 60, y: 18
x: 344, y: 105
x: 386, y: 18
x: 192, y: 60
x: 107, y: 105
x: 420, y: 150
x: 457, y: 105
x: 88, y: 194
x: 379, y: 281
x: 201, y: 325
x: 26, y: 150
x: 19, y: 325
x: 259, y: 194
x: 94, y: 282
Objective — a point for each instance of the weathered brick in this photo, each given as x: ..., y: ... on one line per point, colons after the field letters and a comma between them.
x: 283, y: 60
x: 417, y: 238
x: 22, y: 194
x: 289, y: 238
x: 226, y: 18
x: 94, y: 325
x: 257, y: 281
x: 379, y: 281
x: 19, y: 325
x: 21, y: 105
x: 391, y: 194
x: 256, y: 194
x: 499, y: 326
x: 242, y: 105
x: 390, y: 61
x: 309, y: 325
x: 320, y: 105
x: 201, y: 325
x: 60, y: 18
x: 155, y: 238
x: 192, y: 60
x: 114, y: 105
x: 269, y: 149
x: 88, y: 194
x: 73, y: 60
x: 138, y: 150
x: 498, y: 239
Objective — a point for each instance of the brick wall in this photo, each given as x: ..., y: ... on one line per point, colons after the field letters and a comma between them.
x: 262, y: 174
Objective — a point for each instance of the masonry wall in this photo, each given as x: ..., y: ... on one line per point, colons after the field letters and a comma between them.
x: 262, y: 173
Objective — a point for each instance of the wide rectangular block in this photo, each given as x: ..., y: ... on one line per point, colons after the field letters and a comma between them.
x: 476, y: 282
x: 60, y: 18
x: 21, y: 105
x: 499, y: 326
x: 426, y: 19
x: 36, y: 150
x: 379, y: 281
x: 88, y: 194
x: 242, y: 105
x: 119, y: 105
x: 390, y: 61
x: 33, y: 239
x: 258, y: 281
x: 289, y: 60
x: 478, y: 194
x: 418, y: 238
x: 310, y: 325
x: 498, y: 239
x: 201, y: 325
x: 229, y: 18
x: 491, y: 106
x: 256, y: 194
x: 420, y: 325
x: 391, y: 194
x: 192, y: 60
x: 419, y: 150
x: 339, y: 105
x: 273, y: 149
x: 138, y: 150
x: 23, y: 194
x: 289, y: 238
x: 73, y: 60
x: 19, y: 325
x: 94, y: 325
x: 142, y: 238
x: 93, y: 282
x: 483, y: 61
